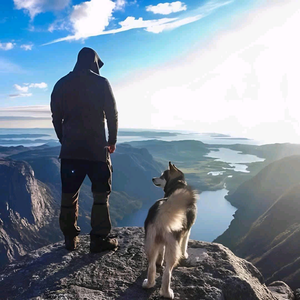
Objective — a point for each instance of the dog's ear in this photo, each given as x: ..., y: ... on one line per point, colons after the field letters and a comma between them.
x: 176, y: 169
x: 171, y: 167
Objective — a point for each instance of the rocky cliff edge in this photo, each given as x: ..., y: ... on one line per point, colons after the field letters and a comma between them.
x: 212, y: 272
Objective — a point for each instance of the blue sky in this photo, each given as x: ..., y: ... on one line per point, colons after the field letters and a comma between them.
x: 228, y: 66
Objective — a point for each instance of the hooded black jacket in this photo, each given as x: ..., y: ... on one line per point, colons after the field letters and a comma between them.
x: 80, y: 101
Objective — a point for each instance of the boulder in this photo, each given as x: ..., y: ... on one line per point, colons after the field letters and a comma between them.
x: 281, y: 290
x: 297, y: 294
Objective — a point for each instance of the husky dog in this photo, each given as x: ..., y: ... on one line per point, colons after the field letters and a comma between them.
x: 168, y: 226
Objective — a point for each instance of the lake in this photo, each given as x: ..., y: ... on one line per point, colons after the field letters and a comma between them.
x: 235, y: 159
x: 214, y: 216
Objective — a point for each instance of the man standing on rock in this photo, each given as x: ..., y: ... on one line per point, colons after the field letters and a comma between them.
x: 80, y: 102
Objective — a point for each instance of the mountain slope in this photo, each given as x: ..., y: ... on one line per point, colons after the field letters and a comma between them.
x: 257, y: 195
x: 266, y: 226
x: 273, y: 240
x: 28, y: 213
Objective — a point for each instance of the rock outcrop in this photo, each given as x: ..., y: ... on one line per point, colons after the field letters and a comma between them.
x: 212, y: 272
x: 28, y: 213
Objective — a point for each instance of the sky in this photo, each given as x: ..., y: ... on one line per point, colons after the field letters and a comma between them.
x: 226, y: 66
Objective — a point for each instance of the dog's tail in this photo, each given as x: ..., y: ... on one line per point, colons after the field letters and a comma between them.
x: 173, y: 211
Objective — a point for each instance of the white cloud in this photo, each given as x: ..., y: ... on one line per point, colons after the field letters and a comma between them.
x: 158, y: 28
x: 34, y: 7
x: 27, y: 47
x: 91, y: 18
x: 87, y: 22
x: 167, y: 8
x: 120, y: 4
x: 6, y: 46
x: 35, y: 116
x: 244, y: 82
x: 131, y: 22
x: 20, y: 95
x: 128, y: 24
x: 21, y: 88
x: 53, y: 27
x: 25, y: 89
x: 41, y: 85
x: 24, y: 110
x: 20, y: 118
x: 34, y: 111
x: 60, y: 25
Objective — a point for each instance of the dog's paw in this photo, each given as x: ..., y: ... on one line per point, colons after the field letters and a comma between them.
x: 147, y: 284
x: 185, y: 255
x: 167, y: 294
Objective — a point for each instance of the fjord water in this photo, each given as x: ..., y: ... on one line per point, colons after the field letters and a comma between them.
x: 214, y: 215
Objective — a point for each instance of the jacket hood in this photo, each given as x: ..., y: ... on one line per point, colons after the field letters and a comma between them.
x: 88, y: 59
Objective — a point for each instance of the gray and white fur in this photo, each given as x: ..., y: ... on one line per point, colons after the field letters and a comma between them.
x: 167, y: 227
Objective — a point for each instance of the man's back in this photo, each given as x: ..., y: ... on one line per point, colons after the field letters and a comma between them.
x: 79, y: 103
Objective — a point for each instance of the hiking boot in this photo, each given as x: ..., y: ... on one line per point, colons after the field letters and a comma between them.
x: 99, y: 244
x: 71, y: 242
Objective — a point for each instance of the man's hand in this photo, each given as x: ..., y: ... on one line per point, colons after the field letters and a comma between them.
x: 111, y: 148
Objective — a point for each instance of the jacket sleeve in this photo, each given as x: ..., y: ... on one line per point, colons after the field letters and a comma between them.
x: 56, y: 109
x: 111, y: 113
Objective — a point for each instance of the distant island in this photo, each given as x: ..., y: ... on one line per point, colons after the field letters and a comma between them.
x: 147, y: 134
x: 26, y: 142
x: 22, y: 135
x: 218, y: 135
x: 226, y: 137
x: 232, y: 138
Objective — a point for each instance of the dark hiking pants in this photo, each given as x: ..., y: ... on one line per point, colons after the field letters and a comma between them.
x: 73, y: 172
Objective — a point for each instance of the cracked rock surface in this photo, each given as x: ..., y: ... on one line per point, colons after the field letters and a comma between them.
x: 212, y: 272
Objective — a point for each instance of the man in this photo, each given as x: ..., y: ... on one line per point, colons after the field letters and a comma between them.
x: 80, y: 102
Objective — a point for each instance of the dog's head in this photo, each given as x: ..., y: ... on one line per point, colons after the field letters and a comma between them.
x: 171, y: 174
